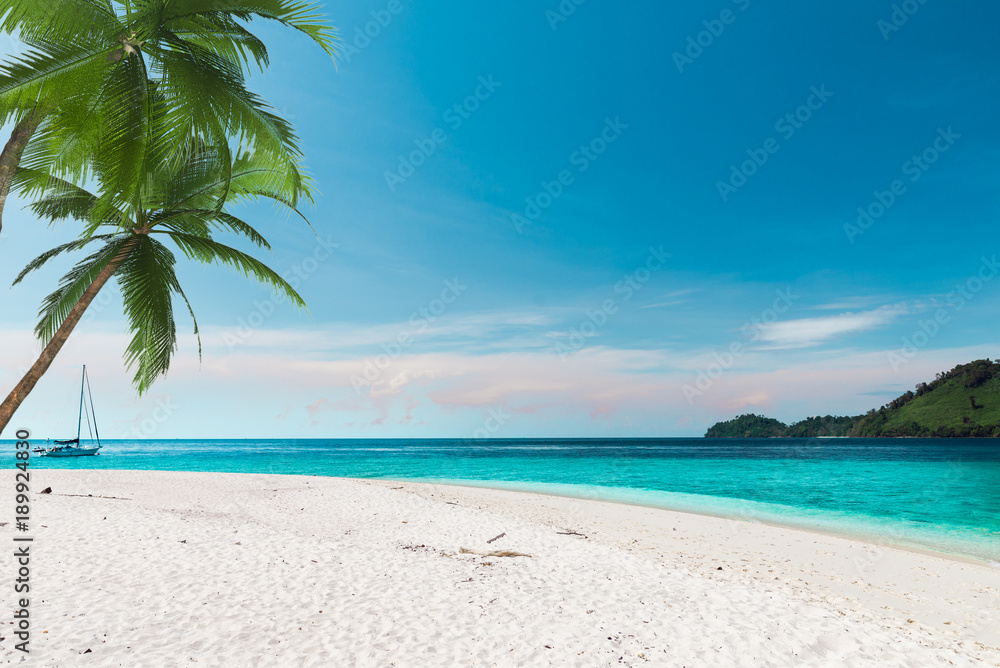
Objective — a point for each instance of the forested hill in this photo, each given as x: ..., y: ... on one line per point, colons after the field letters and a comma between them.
x: 758, y: 426
x: 962, y: 402
x: 748, y: 426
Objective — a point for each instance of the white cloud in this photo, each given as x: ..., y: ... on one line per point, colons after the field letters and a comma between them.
x: 807, y: 332
x: 670, y: 299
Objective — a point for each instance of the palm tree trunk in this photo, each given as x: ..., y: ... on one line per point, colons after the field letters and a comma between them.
x: 38, y: 369
x: 11, y: 155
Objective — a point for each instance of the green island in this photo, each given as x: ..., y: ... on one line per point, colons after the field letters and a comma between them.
x: 962, y: 402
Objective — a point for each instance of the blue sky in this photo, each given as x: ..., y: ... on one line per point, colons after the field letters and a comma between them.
x: 572, y: 254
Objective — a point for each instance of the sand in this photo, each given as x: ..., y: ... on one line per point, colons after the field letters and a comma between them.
x: 210, y: 569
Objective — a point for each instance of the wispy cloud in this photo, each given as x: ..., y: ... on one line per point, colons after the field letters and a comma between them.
x: 808, y: 332
x: 662, y: 304
x: 670, y: 299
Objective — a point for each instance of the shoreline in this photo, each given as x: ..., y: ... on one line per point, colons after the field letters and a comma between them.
x: 846, y: 535
x: 147, y: 568
x: 822, y: 531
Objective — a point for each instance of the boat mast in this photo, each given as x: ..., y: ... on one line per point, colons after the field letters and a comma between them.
x: 79, y: 418
x: 93, y: 413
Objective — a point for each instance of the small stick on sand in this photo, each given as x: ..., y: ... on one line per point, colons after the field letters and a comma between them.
x: 571, y: 532
x: 494, y: 553
x: 496, y: 537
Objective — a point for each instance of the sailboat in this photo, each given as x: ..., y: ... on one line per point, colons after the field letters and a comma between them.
x: 71, y: 447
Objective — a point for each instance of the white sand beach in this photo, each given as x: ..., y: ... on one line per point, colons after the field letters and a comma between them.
x: 211, y: 569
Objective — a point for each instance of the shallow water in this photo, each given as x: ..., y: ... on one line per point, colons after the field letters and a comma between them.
x: 939, y: 494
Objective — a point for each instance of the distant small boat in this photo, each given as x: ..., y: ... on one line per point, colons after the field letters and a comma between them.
x: 71, y: 447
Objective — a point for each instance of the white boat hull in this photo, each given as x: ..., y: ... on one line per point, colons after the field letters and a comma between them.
x: 70, y: 452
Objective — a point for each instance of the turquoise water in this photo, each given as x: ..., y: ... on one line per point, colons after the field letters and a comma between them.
x: 938, y: 494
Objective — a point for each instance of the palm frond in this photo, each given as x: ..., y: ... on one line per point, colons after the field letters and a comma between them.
x: 127, y: 110
x: 199, y: 176
x: 46, y: 74
x: 250, y: 176
x: 147, y: 280
x: 56, y: 306
x: 208, y: 251
x: 40, y: 261
x: 223, y: 36
x: 304, y: 17
x: 76, y: 204
x: 64, y: 142
x: 29, y: 182
x: 200, y: 223
x: 238, y: 226
x: 197, y: 334
x: 57, y: 199
x: 66, y: 21
x: 223, y: 105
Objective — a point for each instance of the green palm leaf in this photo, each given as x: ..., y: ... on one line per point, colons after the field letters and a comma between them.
x: 302, y: 16
x: 63, y: 21
x: 49, y: 71
x: 40, y: 261
x: 200, y: 222
x: 58, y: 304
x: 223, y: 36
x: 207, y: 251
x: 147, y: 281
x: 126, y: 125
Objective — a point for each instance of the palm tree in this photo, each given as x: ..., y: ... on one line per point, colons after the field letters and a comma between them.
x: 80, y: 91
x: 182, y: 200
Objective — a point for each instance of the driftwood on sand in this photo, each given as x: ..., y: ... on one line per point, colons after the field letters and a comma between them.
x: 493, y: 553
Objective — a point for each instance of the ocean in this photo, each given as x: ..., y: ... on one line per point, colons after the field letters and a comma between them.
x: 936, y: 494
